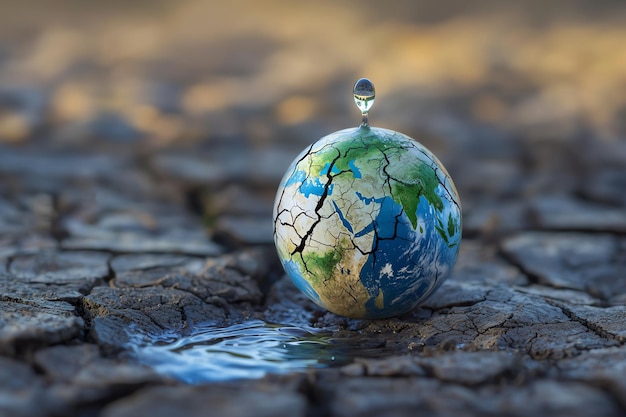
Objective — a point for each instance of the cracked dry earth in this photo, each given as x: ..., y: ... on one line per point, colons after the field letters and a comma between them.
x: 532, y: 322
x: 141, y: 145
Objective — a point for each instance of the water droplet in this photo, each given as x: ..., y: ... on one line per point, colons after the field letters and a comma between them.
x: 364, y: 95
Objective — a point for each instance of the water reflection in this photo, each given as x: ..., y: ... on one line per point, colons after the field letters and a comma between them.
x: 247, y: 350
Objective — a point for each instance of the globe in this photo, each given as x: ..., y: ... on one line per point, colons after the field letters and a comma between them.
x: 367, y: 222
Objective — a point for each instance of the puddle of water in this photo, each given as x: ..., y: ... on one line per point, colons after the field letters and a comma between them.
x: 242, y: 351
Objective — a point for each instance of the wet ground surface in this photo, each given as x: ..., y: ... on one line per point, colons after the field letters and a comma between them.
x: 140, y: 150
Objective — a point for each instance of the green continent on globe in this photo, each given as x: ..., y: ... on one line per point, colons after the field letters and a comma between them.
x: 367, y: 223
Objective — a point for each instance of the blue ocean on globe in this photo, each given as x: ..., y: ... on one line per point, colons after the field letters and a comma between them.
x: 367, y: 223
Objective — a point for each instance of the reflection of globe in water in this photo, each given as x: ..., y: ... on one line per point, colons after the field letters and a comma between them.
x: 367, y: 222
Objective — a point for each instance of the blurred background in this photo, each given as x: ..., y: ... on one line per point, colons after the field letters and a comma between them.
x: 519, y: 99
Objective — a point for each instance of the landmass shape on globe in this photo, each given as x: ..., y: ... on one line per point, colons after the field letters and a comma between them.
x: 367, y: 223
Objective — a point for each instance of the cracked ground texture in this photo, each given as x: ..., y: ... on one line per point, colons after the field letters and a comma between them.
x: 141, y: 146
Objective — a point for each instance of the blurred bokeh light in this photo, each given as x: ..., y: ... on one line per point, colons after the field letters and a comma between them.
x: 168, y: 73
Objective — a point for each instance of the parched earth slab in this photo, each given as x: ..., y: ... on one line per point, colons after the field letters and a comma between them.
x: 467, y: 368
x: 29, y: 324
x: 261, y: 400
x: 258, y: 168
x: 247, y: 231
x: 143, y: 270
x: 12, y: 219
x: 480, y: 263
x: 51, y: 275
x: 578, y: 261
x: 455, y: 293
x: 493, y: 216
x: 79, y: 376
x: 154, y: 295
x: 83, y: 366
x: 608, y: 322
x: 417, y: 396
x: 118, y: 315
x: 562, y: 294
x: 136, y: 229
x: 61, y: 267
x: 61, y: 166
x: 147, y: 262
x: 606, y: 185
x: 129, y: 242
x: 605, y: 368
x: 22, y: 391
x: 562, y: 213
x: 228, y: 279
x: 28, y: 243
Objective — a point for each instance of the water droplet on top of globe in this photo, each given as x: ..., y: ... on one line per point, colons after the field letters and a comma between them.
x: 367, y: 221
x: 364, y: 96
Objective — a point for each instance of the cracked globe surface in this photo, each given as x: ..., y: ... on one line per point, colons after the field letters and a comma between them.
x: 367, y: 223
